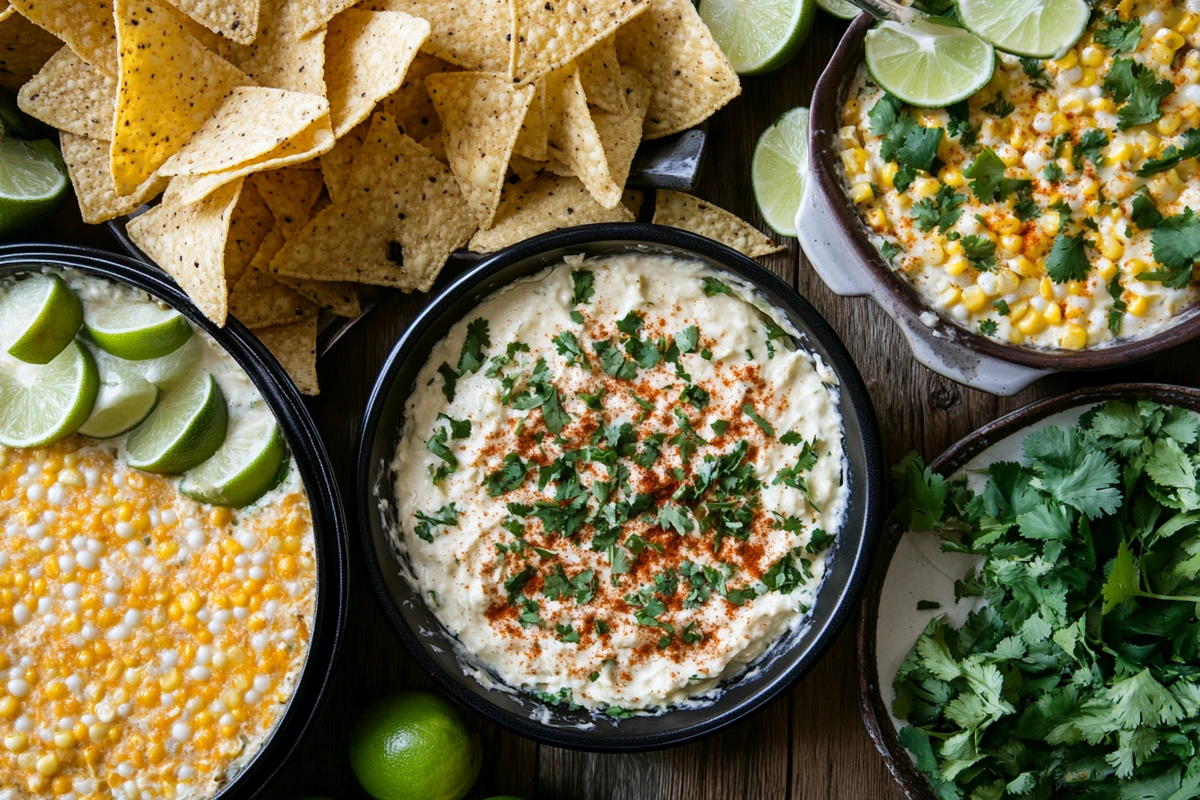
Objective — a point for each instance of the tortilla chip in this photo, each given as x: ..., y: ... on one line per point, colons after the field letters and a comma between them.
x: 252, y: 222
x: 535, y: 127
x: 621, y: 133
x: 481, y: 117
x: 280, y: 57
x: 366, y: 56
x: 236, y: 20
x: 691, y: 77
x: 410, y: 105
x: 290, y: 194
x: 335, y: 165
x: 600, y: 75
x: 338, y: 297
x: 472, y: 34
x: 170, y: 85
x: 404, y: 216
x: 295, y: 348
x: 188, y: 242
x: 540, y: 206
x: 259, y: 301
x: 315, y: 14
x: 679, y: 210
x: 632, y: 199
x: 86, y: 27
x: 90, y: 167
x: 7, y: 12
x: 548, y: 35
x: 574, y: 133
x: 436, y: 145
x: 72, y: 96
x: 24, y: 49
x: 526, y: 169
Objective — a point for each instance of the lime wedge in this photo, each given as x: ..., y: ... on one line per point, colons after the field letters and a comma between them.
x: 138, y: 331
x: 245, y: 468
x: 779, y: 170
x: 41, y: 404
x: 33, y: 181
x: 166, y: 373
x: 758, y: 36
x: 1034, y: 28
x: 926, y: 64
x: 120, y: 406
x: 840, y: 8
x: 185, y: 429
x: 39, y: 316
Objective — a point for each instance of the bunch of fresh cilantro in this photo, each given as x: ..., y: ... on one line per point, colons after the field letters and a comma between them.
x: 1080, y: 676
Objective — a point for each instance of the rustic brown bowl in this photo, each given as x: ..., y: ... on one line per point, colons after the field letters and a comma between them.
x: 874, y: 710
x: 835, y: 240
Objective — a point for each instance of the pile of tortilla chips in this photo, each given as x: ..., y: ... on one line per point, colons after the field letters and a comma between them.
x: 301, y: 147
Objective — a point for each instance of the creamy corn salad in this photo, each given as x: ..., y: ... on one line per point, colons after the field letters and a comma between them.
x: 1054, y: 208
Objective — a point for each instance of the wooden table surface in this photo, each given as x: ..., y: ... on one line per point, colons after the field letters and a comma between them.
x: 808, y: 745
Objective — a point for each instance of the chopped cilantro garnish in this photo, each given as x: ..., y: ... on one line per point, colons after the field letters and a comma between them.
x: 567, y: 633
x: 890, y: 250
x: 1176, y: 246
x: 980, y: 250
x: 1001, y: 307
x: 510, y: 475
x: 1172, y: 155
x: 695, y: 396
x: 765, y: 426
x: 1144, y: 213
x: 1068, y: 259
x: 583, y: 283
x: 718, y: 426
x: 687, y: 339
x: 1000, y: 107
x: 614, y: 362
x: 630, y: 324
x: 987, y: 327
x: 940, y: 211
x: 1091, y: 142
x: 567, y: 345
x: 514, y: 585
x: 1116, y: 314
x: 1122, y: 37
x: 712, y: 286
x: 1053, y: 172
x: 988, y: 183
x: 446, y: 515
x: 1136, y: 86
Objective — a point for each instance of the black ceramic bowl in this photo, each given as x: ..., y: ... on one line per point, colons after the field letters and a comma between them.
x: 329, y: 521
x: 434, y: 648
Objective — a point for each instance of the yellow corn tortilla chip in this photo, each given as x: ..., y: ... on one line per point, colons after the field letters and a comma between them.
x: 691, y: 77
x: 547, y: 34
x: 86, y: 27
x: 335, y: 165
x: 621, y: 133
x: 526, y: 169
x: 410, y: 105
x: 472, y: 34
x: 24, y: 49
x: 481, y: 117
x: 315, y: 14
x: 403, y: 217
x: 236, y: 20
x: 436, y: 145
x: 600, y: 75
x: 295, y: 348
x: 90, y: 167
x: 280, y: 57
x: 540, y: 206
x: 339, y: 297
x: 290, y: 194
x: 170, y: 85
x: 534, y: 128
x: 7, y: 12
x: 259, y: 301
x: 367, y: 54
x: 679, y: 210
x: 188, y: 242
x: 574, y: 133
x: 71, y: 95
x: 252, y: 121
x: 252, y: 222
x: 632, y: 199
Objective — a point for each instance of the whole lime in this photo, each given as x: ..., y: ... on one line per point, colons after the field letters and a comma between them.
x: 414, y: 746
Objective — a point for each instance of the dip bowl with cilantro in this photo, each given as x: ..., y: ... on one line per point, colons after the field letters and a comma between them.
x: 1033, y: 627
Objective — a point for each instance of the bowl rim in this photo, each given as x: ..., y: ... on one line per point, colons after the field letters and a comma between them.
x: 851, y: 384
x: 311, y: 689
x: 823, y: 127
x: 875, y: 713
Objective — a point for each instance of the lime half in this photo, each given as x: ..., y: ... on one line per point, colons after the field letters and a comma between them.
x: 119, y: 407
x: 245, y: 468
x: 185, y: 429
x: 840, y: 8
x: 41, y: 404
x: 926, y: 64
x: 758, y: 36
x: 39, y: 316
x: 33, y: 181
x: 779, y: 170
x: 1034, y: 28
x: 138, y: 331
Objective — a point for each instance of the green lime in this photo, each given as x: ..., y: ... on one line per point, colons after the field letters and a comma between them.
x: 120, y: 406
x: 840, y: 8
x: 138, y: 331
x: 184, y: 430
x: 759, y: 36
x: 1033, y: 28
x: 780, y: 168
x: 245, y: 468
x: 41, y: 404
x: 414, y: 746
x: 926, y: 64
x: 13, y: 120
x: 33, y: 181
x: 39, y: 316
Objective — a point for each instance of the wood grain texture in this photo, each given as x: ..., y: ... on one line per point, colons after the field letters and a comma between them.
x: 808, y: 745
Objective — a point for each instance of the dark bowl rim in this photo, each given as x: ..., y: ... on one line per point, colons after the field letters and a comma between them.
x: 311, y: 690
x: 840, y: 361
x: 823, y: 127
x: 871, y: 705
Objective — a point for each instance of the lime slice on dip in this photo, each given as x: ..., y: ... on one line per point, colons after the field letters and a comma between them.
x: 185, y: 429
x: 245, y: 468
x: 39, y: 316
x: 759, y: 36
x: 779, y: 170
x: 165, y: 373
x: 120, y: 406
x: 137, y: 331
x: 840, y: 8
x: 926, y: 64
x: 32, y: 182
x: 41, y: 404
x: 1033, y: 28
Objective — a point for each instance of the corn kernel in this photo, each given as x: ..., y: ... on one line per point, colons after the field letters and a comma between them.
x: 1008, y: 155
x: 1059, y: 123
x: 956, y: 266
x: 1169, y: 122
x: 1105, y: 269
x: 949, y: 296
x: 8, y: 706
x: 222, y: 516
x: 1112, y: 248
x: 1103, y: 105
x: 1087, y: 77
x: 1161, y: 54
x: 1188, y: 25
x: 974, y: 299
x: 1015, y: 336
x: 1046, y: 289
x: 1120, y: 153
x: 1092, y: 56
x: 1168, y: 38
x: 862, y: 193
x: 1012, y: 245
x: 1046, y: 103
x: 1150, y: 143
x: 1053, y: 314
x: 1138, y: 305
x: 888, y: 175
x: 1007, y: 282
x: 64, y: 740
x: 952, y: 177
x: 48, y: 765
x: 16, y: 742
x: 877, y: 219
x: 1069, y: 61
x: 1032, y: 324
x: 925, y: 187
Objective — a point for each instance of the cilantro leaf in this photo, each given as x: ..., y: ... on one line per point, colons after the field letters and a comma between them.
x: 988, y: 327
x: 1122, y: 37
x: 749, y: 411
x: 1144, y: 213
x: 922, y: 492
x: 1176, y: 246
x: 687, y: 339
x: 713, y: 287
x: 1136, y: 86
x: 447, y: 515
x: 1068, y: 259
x: 985, y: 171
x: 1172, y: 155
x: 471, y: 357
x: 1091, y: 142
x: 1073, y: 473
x: 941, y: 211
x: 583, y: 285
